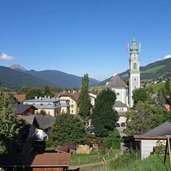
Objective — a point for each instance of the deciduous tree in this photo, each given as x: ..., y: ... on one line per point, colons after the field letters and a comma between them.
x: 143, y: 118
x: 8, y: 125
x: 104, y: 117
x: 67, y: 129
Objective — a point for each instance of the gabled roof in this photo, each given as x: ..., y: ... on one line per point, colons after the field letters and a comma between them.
x: 161, y: 130
x: 27, y: 119
x: 73, y: 95
x: 116, y: 82
x: 44, y: 121
x: 21, y: 108
x: 119, y: 104
x: 35, y: 160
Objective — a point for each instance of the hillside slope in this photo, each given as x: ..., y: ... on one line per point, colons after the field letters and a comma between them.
x: 17, y: 76
x: 61, y: 79
x: 12, y: 79
x: 156, y: 70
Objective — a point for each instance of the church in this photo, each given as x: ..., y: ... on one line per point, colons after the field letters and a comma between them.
x: 124, y: 92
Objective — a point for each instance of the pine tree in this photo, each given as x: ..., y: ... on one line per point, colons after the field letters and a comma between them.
x: 84, y: 103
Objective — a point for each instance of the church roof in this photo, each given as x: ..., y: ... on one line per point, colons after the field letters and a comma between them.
x: 119, y: 104
x: 116, y: 82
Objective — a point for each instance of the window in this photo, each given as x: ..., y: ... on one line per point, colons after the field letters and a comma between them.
x: 117, y: 125
x: 117, y: 94
x: 134, y: 66
x: 135, y: 79
x: 122, y: 124
x: 121, y: 109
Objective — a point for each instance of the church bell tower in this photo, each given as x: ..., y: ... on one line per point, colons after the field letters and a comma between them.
x: 134, y: 71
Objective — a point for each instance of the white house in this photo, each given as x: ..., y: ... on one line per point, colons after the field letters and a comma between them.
x: 92, y: 98
x: 49, y: 105
x: 152, y: 138
x: 121, y: 108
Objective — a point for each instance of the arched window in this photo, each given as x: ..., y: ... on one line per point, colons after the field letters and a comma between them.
x: 134, y: 66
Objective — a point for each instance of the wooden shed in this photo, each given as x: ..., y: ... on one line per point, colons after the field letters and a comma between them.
x: 35, y: 162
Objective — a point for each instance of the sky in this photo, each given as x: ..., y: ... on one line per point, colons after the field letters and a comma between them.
x: 83, y: 36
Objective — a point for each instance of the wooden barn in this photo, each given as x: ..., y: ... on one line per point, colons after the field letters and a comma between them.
x: 35, y: 162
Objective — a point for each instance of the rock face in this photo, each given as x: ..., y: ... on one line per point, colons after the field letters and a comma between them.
x: 83, y: 149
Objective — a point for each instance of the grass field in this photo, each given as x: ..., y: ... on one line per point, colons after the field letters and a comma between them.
x: 153, y: 163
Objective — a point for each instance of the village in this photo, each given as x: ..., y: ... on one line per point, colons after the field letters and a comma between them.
x: 74, y: 129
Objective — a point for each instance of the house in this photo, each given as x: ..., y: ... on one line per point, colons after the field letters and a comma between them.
x: 152, y: 138
x: 64, y: 106
x: 92, y: 99
x: 43, y: 125
x: 45, y: 105
x: 35, y: 162
x: 72, y: 98
x: 35, y: 131
x: 24, y: 109
x: 121, y: 108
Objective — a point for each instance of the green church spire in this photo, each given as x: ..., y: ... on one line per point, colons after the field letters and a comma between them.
x: 134, y: 48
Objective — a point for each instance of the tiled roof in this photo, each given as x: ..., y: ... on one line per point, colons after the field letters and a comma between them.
x: 44, y: 121
x: 161, y: 130
x: 116, y: 82
x: 73, y: 95
x: 119, y: 104
x: 35, y: 160
x: 20, y: 97
x: 21, y: 108
x: 27, y: 119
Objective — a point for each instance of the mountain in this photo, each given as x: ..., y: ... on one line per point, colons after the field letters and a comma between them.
x: 154, y: 71
x: 11, y: 78
x: 18, y: 67
x: 61, y: 79
x: 17, y: 76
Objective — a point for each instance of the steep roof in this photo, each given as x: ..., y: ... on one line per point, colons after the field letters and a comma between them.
x: 27, y: 119
x: 44, y: 121
x: 116, y: 82
x: 21, y: 108
x: 34, y: 160
x: 161, y: 130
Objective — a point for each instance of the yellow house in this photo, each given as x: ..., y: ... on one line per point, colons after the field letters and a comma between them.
x: 73, y: 98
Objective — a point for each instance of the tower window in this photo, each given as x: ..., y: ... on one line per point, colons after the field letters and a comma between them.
x: 135, y: 79
x: 134, y: 66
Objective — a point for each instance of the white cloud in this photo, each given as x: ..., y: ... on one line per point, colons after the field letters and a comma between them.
x: 5, y: 57
x: 167, y: 56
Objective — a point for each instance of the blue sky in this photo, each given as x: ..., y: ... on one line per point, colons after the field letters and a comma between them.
x: 83, y: 36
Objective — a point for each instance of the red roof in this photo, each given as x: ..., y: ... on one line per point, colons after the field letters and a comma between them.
x: 35, y: 160
x: 20, y: 97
